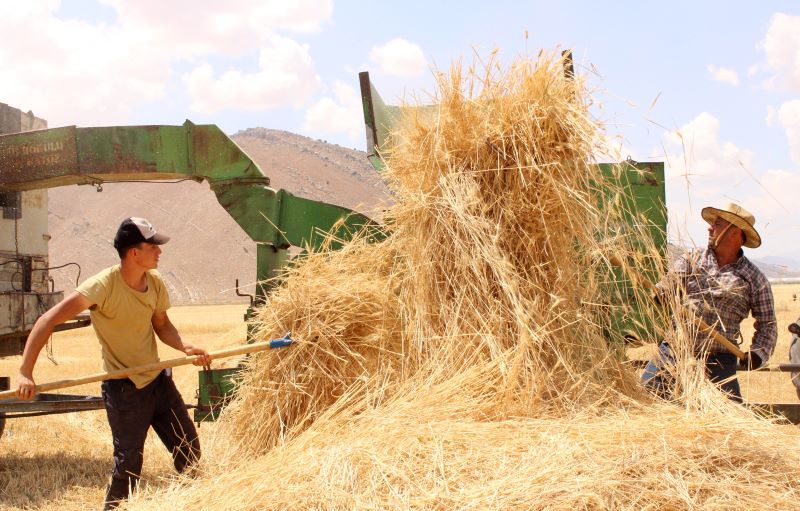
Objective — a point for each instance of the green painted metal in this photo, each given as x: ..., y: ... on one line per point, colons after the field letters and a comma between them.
x: 215, y: 388
x: 637, y: 189
x: 282, y: 219
x: 275, y: 219
x: 643, y: 199
x: 70, y: 155
x: 270, y: 259
x: 381, y: 120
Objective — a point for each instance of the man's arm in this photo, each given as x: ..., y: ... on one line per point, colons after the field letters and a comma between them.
x: 65, y: 310
x: 672, y: 281
x: 765, y: 334
x: 169, y: 335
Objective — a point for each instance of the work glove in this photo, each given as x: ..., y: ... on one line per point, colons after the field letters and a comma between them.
x: 751, y: 361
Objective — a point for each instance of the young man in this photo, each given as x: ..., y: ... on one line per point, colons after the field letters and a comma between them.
x: 723, y: 287
x: 128, y: 305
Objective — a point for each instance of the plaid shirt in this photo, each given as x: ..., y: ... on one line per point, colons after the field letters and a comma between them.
x: 723, y: 297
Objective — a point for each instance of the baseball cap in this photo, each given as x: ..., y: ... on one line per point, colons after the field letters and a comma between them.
x: 135, y: 230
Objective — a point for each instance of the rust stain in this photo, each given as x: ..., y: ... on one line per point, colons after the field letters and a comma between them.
x: 117, y: 153
x: 28, y: 157
x: 34, y: 199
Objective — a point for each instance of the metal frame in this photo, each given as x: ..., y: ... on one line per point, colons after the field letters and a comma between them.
x: 49, y: 404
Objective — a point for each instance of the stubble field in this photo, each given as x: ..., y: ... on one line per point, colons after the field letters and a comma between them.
x: 63, y: 461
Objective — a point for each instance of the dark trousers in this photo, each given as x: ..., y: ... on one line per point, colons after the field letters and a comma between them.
x: 720, y: 369
x: 131, y: 412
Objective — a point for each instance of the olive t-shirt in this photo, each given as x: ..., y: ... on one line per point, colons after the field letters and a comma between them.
x: 122, y: 320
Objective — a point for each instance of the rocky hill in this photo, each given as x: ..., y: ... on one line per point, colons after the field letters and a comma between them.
x: 771, y: 269
x: 208, y: 250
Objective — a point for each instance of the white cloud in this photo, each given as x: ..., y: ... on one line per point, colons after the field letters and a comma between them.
x: 399, y: 57
x: 772, y: 115
x: 613, y: 148
x: 70, y: 72
x: 789, y: 117
x: 724, y: 75
x: 773, y: 205
x: 781, y: 46
x: 96, y: 73
x: 711, y: 171
x: 286, y: 76
x: 340, y: 115
x: 701, y: 169
x: 214, y: 27
x: 695, y: 152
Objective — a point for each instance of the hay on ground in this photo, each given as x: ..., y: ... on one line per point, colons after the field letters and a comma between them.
x: 463, y: 363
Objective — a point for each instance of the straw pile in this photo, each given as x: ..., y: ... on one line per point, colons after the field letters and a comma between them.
x: 342, y: 309
x: 462, y: 363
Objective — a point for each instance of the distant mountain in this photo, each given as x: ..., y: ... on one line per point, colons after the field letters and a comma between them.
x: 773, y: 267
x: 776, y: 271
x: 784, y: 266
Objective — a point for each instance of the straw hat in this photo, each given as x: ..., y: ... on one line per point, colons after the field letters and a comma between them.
x: 739, y: 217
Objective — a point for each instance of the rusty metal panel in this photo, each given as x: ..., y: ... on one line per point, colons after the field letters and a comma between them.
x: 15, y: 272
x: 37, y: 156
x: 11, y: 321
x: 53, y: 403
x: 14, y: 120
x: 12, y: 346
x: 40, y: 278
x: 14, y: 343
x: 10, y: 118
x: 29, y: 122
x: 19, y: 311
x: 25, y: 233
x: 131, y: 149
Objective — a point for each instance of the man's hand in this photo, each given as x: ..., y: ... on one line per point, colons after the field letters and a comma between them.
x: 26, y: 387
x: 751, y: 361
x: 202, y: 360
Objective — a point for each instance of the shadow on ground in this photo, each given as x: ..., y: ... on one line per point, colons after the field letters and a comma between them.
x: 32, y: 481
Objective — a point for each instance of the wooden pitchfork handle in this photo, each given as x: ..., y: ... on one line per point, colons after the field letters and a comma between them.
x: 155, y: 366
x: 697, y: 320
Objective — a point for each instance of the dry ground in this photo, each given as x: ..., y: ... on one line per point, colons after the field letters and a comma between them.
x: 775, y: 387
x: 62, y: 462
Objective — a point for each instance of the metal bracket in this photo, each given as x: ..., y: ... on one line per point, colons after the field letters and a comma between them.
x: 239, y: 293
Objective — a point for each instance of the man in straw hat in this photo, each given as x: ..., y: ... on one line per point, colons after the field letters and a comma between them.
x: 722, y: 287
x: 128, y: 304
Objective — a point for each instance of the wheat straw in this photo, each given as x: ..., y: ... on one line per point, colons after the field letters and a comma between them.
x: 465, y: 362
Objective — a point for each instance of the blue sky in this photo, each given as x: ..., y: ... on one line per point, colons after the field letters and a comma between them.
x: 726, y: 76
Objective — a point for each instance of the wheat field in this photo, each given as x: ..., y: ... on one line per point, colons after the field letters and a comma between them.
x: 460, y: 364
x: 62, y: 462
